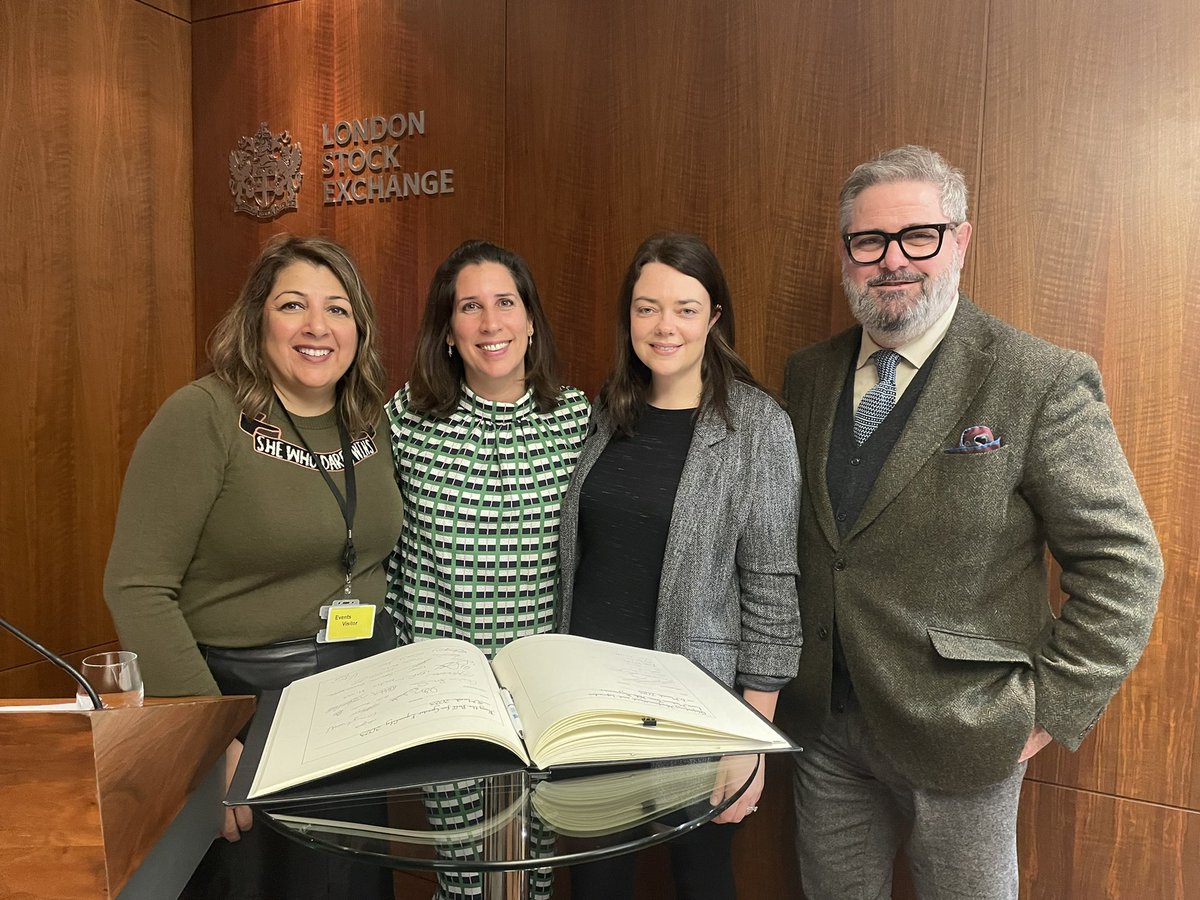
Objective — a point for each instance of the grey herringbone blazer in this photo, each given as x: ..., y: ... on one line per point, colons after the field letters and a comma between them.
x: 939, y: 588
x: 727, y: 596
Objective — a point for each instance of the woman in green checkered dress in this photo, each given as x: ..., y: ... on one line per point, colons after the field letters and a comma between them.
x: 484, y: 439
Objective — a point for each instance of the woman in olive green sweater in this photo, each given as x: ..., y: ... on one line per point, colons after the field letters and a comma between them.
x: 241, y: 516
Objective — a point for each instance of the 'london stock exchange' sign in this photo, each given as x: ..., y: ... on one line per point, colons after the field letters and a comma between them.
x: 362, y: 161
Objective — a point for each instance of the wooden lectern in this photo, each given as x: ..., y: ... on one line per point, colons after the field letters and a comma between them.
x: 86, y: 795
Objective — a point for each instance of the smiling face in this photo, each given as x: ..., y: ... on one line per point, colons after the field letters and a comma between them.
x: 490, y: 329
x: 669, y: 319
x: 309, y: 337
x: 898, y: 299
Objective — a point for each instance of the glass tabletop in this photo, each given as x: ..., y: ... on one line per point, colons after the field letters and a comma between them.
x: 520, y: 820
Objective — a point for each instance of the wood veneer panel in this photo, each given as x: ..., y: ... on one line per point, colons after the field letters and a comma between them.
x: 148, y: 761
x: 181, y: 9
x: 55, y: 838
x: 96, y: 221
x: 740, y: 125
x: 1076, y: 845
x: 43, y: 678
x: 299, y: 65
x: 105, y: 786
x: 629, y: 118
x: 908, y: 73
x: 1090, y: 189
x: 210, y: 9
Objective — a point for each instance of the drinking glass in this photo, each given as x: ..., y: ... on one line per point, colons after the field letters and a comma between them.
x: 116, y: 678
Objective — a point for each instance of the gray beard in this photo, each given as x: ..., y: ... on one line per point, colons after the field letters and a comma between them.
x: 901, y: 325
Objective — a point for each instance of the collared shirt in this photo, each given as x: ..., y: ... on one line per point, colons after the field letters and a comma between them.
x: 913, y: 355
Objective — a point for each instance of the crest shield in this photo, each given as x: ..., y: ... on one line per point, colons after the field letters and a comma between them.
x: 264, y: 174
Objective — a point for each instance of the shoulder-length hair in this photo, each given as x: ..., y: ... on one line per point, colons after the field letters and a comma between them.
x: 435, y: 386
x: 623, y: 393
x: 235, y: 347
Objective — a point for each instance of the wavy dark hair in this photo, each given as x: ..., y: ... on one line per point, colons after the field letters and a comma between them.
x: 623, y: 393
x: 435, y: 387
x: 235, y: 347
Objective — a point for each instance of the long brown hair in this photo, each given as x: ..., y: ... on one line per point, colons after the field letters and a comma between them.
x: 623, y: 394
x: 235, y: 347
x: 435, y: 387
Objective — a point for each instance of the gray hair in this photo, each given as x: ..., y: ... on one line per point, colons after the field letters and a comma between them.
x: 908, y: 163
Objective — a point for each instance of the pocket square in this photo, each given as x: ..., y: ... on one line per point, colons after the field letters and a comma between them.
x: 976, y: 439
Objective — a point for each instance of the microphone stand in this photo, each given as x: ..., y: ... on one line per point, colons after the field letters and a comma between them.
x: 54, y: 658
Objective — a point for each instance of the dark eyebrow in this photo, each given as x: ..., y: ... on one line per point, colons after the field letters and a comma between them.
x: 300, y: 293
x: 510, y: 294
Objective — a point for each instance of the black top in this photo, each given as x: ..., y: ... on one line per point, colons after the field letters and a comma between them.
x: 625, y: 510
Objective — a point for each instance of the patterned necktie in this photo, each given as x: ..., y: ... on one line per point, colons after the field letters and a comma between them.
x: 879, y: 400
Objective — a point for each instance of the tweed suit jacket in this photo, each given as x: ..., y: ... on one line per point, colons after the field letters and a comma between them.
x: 727, y: 594
x: 940, y: 587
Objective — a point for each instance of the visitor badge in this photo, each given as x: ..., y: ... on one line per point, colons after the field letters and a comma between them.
x: 347, y: 620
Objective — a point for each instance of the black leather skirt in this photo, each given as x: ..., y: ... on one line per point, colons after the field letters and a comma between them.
x: 264, y: 865
x: 252, y: 670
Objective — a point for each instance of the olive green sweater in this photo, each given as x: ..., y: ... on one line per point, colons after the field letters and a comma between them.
x: 228, y: 535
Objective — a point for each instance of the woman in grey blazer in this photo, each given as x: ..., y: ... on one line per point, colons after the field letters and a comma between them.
x: 678, y: 530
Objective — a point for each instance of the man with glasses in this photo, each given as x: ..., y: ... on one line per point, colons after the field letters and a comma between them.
x: 943, y: 452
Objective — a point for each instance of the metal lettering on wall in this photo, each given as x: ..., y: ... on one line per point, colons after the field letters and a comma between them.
x: 264, y: 174
x: 361, y: 161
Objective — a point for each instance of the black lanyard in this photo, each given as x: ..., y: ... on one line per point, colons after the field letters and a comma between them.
x: 349, y: 503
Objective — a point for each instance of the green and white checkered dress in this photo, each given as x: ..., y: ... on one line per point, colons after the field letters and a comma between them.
x: 478, y: 552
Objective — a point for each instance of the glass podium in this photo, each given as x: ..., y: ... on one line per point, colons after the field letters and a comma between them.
x: 506, y: 826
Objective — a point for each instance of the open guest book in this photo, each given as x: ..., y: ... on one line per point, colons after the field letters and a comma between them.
x: 549, y: 700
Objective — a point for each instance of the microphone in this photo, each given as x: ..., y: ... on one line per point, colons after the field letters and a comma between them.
x: 54, y: 658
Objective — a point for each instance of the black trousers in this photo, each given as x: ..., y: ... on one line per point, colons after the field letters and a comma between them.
x: 264, y: 865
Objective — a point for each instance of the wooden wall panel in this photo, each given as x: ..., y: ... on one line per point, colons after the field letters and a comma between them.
x: 180, y: 9
x: 1076, y: 845
x: 42, y: 678
x: 616, y: 132
x: 740, y: 127
x: 210, y: 9
x: 921, y: 84
x: 95, y: 218
x: 1090, y: 191
x: 299, y: 65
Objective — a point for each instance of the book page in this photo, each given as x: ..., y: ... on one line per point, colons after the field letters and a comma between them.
x: 582, y: 700
x: 428, y: 691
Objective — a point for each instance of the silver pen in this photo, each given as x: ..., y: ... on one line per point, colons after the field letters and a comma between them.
x: 512, y: 712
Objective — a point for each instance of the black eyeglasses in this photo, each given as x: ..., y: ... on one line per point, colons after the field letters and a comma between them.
x: 916, y: 242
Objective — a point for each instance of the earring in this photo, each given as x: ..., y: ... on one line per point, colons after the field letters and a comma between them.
x: 450, y: 350
x: 531, y: 339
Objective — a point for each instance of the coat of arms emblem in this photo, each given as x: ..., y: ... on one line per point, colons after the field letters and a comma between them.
x: 264, y: 174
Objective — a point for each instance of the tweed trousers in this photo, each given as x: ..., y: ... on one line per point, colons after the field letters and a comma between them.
x: 855, y: 811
